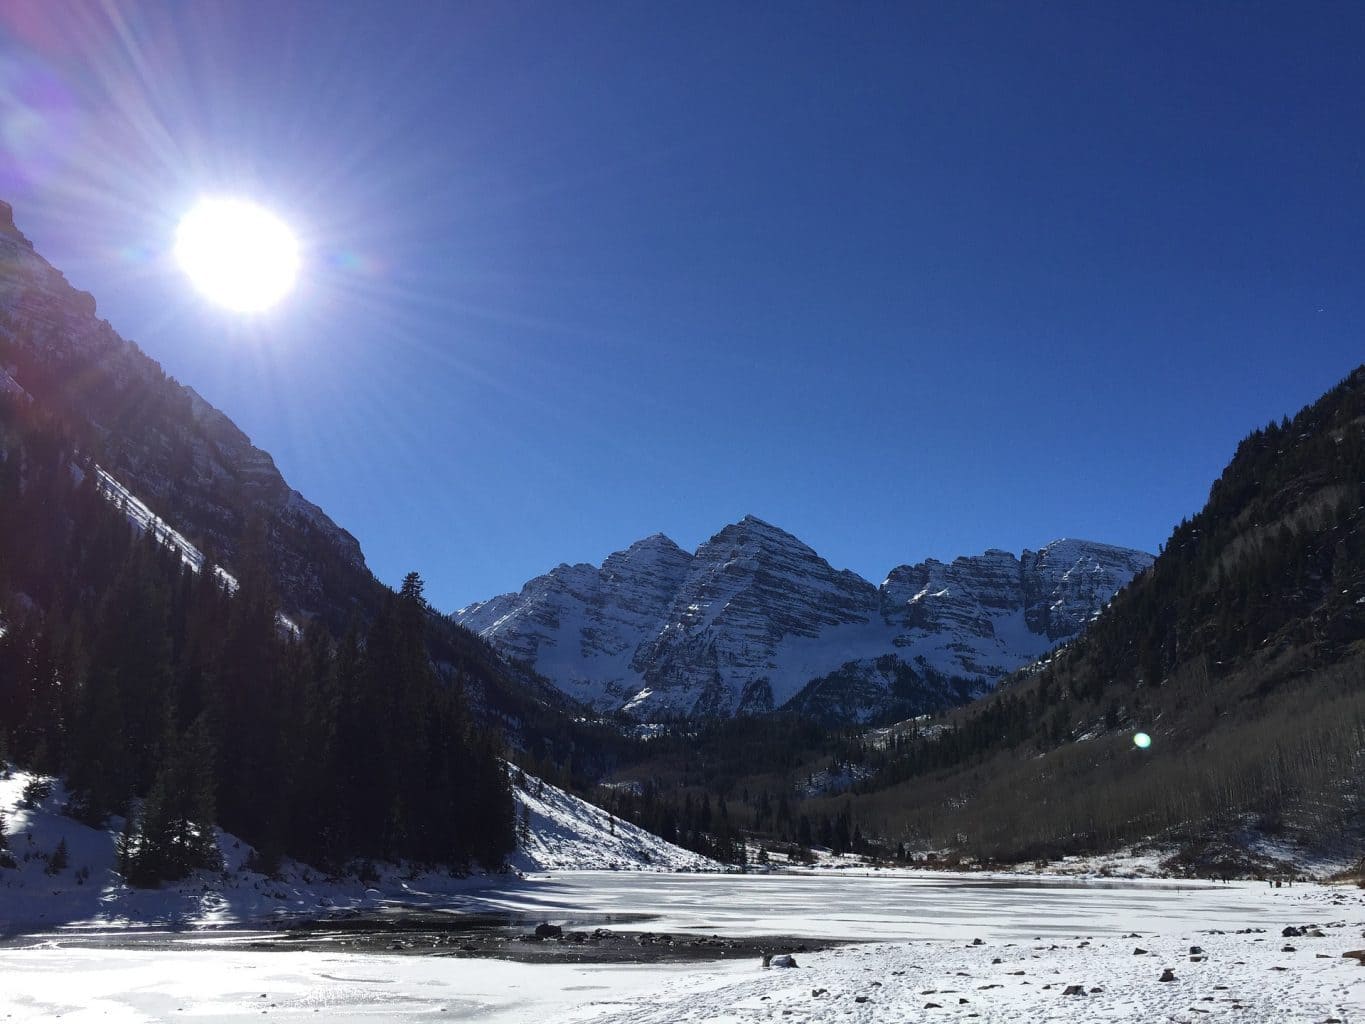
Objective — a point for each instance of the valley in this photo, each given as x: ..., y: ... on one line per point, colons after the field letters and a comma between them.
x: 681, y: 513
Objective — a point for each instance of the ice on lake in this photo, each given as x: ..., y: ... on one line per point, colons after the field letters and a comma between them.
x: 916, y: 935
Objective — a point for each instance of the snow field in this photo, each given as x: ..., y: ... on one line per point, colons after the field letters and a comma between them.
x: 1244, y: 975
x: 1237, y: 980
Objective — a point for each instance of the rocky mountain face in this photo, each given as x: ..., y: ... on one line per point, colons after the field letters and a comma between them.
x: 755, y: 620
x: 162, y: 441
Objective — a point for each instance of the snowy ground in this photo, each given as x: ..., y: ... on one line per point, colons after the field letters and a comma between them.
x: 918, y: 936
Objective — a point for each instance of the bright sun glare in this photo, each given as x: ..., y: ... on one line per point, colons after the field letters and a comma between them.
x: 238, y: 254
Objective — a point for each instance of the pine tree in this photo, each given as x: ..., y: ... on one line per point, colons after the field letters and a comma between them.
x: 57, y: 863
x: 175, y: 835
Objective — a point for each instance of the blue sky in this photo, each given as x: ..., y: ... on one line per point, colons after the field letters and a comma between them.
x: 908, y: 280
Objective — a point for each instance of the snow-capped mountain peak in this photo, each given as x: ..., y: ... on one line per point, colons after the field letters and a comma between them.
x: 755, y: 615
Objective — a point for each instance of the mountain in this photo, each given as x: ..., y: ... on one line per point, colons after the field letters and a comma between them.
x: 1239, y: 656
x: 164, y: 442
x: 181, y: 467
x: 755, y: 620
x: 181, y: 631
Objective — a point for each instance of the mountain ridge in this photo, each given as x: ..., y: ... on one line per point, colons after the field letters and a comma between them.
x: 751, y: 617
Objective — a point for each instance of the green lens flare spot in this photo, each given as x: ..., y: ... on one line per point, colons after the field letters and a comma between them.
x: 1141, y: 740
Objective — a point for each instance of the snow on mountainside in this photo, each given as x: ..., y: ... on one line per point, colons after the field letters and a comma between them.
x: 565, y: 834
x: 755, y: 617
x: 145, y: 520
x: 569, y: 834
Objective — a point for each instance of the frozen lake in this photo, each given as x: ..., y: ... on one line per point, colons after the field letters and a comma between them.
x: 922, y: 927
x: 879, y: 906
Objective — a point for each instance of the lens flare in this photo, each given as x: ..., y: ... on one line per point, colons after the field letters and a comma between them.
x: 1141, y: 740
x: 238, y: 254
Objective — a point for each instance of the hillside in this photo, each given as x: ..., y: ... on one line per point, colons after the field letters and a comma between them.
x: 163, y: 441
x: 173, y: 460
x: 1241, y: 653
x: 40, y: 892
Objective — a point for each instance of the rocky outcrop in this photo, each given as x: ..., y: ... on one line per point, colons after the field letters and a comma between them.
x: 756, y: 620
x: 1067, y: 581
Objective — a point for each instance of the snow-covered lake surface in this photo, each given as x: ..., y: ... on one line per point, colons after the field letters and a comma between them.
x: 873, y: 906
x: 916, y: 947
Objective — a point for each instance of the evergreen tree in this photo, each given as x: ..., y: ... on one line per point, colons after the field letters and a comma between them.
x: 59, y: 860
x: 174, y: 834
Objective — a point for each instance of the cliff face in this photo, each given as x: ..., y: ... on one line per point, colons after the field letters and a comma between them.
x: 756, y: 620
x: 183, y: 457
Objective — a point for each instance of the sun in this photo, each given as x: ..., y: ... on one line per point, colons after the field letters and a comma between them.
x: 238, y: 254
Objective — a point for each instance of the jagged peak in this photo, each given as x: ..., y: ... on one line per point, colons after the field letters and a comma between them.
x: 656, y: 541
x: 646, y: 555
x: 938, y: 565
x: 752, y: 526
x: 1063, y: 545
x: 8, y: 227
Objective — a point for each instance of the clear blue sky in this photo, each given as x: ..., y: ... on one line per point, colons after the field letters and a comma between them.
x: 908, y: 280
